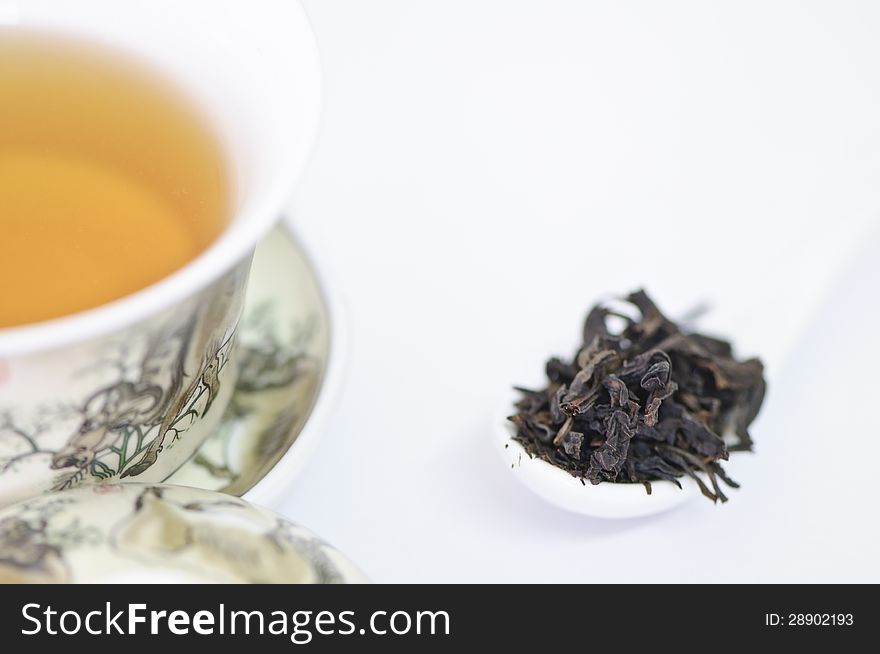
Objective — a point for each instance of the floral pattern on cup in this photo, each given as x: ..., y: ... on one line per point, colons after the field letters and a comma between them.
x: 135, y: 404
x: 283, y: 350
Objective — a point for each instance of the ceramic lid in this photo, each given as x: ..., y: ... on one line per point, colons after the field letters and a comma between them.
x: 159, y: 533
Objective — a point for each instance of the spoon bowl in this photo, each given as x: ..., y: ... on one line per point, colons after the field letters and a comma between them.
x: 791, y: 296
x: 559, y: 488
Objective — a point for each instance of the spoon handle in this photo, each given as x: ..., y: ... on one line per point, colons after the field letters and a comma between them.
x: 767, y: 321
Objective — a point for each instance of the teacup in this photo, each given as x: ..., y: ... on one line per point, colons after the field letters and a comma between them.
x: 130, y: 389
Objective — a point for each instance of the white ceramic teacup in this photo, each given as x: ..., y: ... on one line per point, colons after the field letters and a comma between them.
x: 130, y: 389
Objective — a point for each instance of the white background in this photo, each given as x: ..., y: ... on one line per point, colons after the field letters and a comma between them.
x: 488, y: 170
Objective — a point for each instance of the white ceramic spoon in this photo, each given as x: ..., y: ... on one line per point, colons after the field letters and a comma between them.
x: 791, y: 295
x: 560, y: 489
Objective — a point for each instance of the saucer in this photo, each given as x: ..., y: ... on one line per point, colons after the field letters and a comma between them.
x: 289, y: 359
x: 156, y: 533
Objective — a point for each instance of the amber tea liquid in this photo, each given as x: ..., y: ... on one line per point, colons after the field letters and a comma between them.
x: 110, y: 178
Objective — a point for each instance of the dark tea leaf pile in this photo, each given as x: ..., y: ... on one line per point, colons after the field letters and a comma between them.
x: 652, y: 402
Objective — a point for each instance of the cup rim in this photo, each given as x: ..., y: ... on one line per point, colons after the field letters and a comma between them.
x: 234, y: 244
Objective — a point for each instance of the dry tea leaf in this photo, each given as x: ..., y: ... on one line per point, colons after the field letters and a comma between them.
x: 649, y: 403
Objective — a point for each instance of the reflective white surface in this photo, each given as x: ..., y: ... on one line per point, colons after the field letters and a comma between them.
x: 487, y: 170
